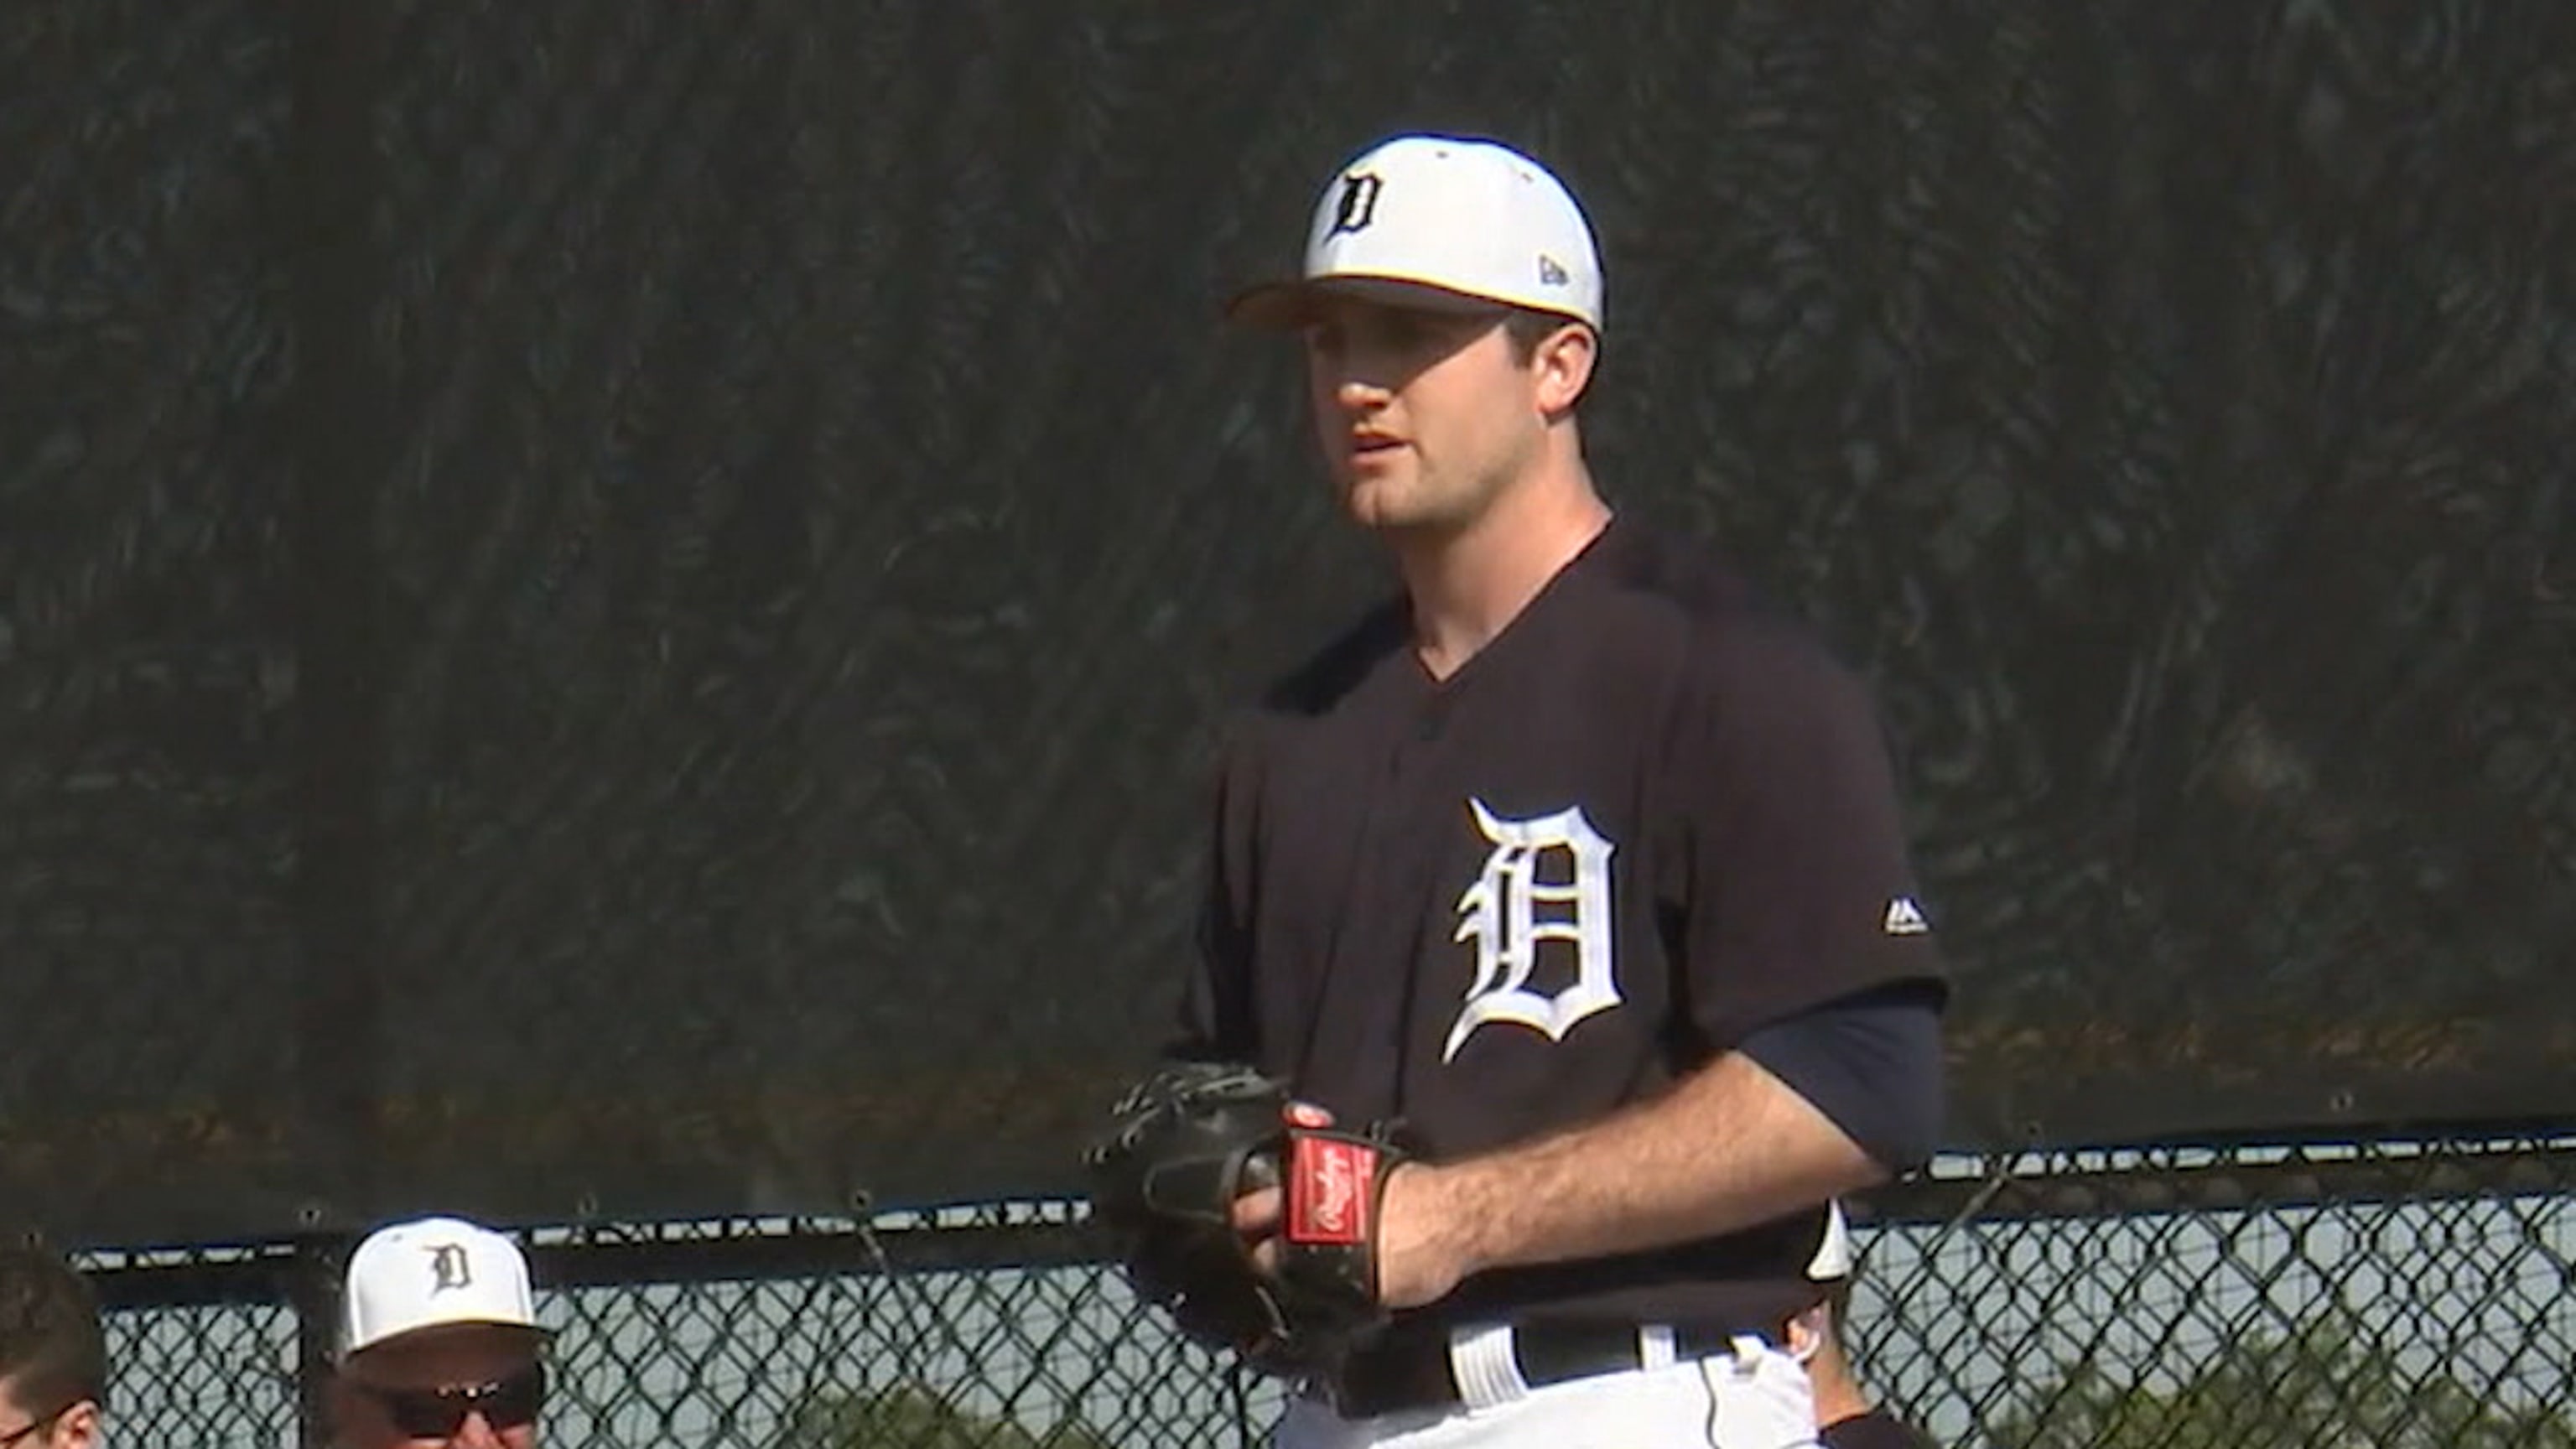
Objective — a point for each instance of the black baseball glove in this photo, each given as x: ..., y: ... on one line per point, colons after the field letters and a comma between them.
x: 1182, y: 1146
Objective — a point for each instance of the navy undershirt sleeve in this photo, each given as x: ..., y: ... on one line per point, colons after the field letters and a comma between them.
x: 1871, y: 1062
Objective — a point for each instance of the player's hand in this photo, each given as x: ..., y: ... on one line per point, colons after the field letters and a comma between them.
x: 1257, y: 1214
x: 1420, y: 1255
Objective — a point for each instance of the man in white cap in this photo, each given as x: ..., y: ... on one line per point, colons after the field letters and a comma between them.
x: 1845, y: 1416
x: 439, y: 1342
x: 1574, y: 855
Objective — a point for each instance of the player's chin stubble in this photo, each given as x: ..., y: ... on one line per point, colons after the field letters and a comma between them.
x: 1387, y: 505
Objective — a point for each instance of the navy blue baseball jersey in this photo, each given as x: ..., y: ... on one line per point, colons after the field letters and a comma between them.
x: 1876, y: 1429
x: 1649, y: 818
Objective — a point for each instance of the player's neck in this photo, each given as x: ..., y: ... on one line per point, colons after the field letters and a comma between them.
x: 1467, y: 587
x: 1837, y: 1400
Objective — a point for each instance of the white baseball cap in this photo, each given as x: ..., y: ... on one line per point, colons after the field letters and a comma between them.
x: 1834, y: 1255
x: 1440, y: 221
x: 433, y: 1273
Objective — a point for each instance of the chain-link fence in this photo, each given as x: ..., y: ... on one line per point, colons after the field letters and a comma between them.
x: 2407, y: 1295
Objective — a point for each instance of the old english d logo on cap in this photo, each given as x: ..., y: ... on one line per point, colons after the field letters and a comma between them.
x: 1358, y: 206
x: 449, y: 1268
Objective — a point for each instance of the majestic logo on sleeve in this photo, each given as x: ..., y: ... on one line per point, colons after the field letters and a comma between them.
x: 1546, y: 879
x: 1904, y: 918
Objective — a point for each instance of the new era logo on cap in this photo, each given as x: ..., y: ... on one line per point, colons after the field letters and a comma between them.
x: 1441, y: 221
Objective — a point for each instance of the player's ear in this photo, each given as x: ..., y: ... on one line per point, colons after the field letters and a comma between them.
x: 1561, y: 367
x: 1808, y: 1333
x: 78, y: 1427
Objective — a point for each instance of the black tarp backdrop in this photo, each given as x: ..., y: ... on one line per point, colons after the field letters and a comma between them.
x: 149, y: 671
x: 616, y: 609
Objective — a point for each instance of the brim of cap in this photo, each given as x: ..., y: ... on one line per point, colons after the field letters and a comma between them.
x: 1291, y: 303
x: 450, y: 1326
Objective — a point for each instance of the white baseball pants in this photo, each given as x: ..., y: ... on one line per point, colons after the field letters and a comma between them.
x: 1757, y: 1397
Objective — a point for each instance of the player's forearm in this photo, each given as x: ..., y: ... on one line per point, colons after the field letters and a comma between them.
x: 1725, y: 1149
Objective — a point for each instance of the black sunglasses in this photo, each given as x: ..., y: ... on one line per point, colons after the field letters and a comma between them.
x: 440, y: 1413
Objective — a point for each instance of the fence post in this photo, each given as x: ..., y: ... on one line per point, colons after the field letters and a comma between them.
x: 313, y: 1291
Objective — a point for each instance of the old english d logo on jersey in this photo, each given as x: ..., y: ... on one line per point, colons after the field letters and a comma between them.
x: 1508, y: 912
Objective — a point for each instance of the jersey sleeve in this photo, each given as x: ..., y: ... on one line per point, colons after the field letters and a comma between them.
x: 1795, y: 886
x: 1215, y: 1019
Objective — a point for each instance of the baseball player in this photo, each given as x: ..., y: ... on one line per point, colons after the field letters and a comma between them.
x: 53, y: 1354
x: 1573, y: 858
x: 439, y: 1341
